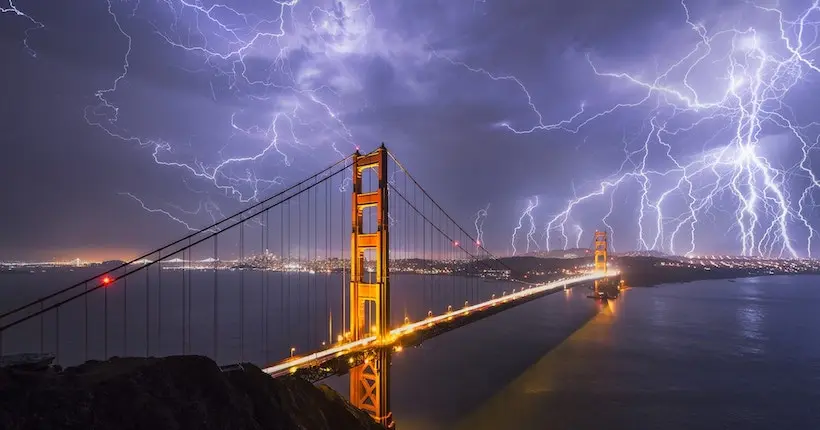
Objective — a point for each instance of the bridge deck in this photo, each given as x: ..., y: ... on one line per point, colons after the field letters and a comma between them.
x: 291, y: 365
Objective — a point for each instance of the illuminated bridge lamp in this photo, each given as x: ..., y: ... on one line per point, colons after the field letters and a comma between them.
x: 292, y: 350
x: 406, y: 320
x: 429, y: 314
x: 106, y: 280
x: 466, y: 303
x: 449, y: 308
x: 455, y: 243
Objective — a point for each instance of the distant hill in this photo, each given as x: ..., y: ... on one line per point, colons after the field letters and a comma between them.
x: 561, y: 253
x: 656, y: 254
x: 641, y: 271
x: 112, y: 263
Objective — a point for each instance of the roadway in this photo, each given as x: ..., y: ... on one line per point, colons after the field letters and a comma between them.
x: 291, y: 365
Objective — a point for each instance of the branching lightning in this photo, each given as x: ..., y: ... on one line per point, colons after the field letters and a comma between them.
x: 286, y: 65
x: 12, y: 9
x: 164, y: 212
x: 716, y: 121
x: 532, y: 204
x: 717, y: 115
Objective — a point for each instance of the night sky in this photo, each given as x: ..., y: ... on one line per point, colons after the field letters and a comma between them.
x: 700, y: 129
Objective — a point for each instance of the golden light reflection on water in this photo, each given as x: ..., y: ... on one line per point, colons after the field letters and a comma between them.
x: 534, y: 395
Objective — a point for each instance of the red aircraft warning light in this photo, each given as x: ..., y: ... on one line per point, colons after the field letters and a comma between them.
x: 455, y: 243
x: 106, y: 280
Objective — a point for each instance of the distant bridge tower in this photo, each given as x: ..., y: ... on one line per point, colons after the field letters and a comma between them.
x: 600, y: 257
x: 369, y: 389
x: 600, y: 251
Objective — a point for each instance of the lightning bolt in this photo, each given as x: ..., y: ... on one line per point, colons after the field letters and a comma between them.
x: 12, y: 9
x: 286, y: 65
x: 164, y: 212
x: 732, y: 115
x: 580, y: 232
x: 527, y: 213
x: 480, y: 218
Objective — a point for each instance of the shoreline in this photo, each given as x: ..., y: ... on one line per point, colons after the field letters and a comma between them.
x: 647, y: 272
x: 728, y: 278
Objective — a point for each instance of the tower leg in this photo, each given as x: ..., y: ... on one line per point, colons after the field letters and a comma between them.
x: 369, y: 387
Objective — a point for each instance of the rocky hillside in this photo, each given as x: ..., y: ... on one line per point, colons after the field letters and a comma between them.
x: 185, y: 392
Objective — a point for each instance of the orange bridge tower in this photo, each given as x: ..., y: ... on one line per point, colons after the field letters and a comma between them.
x: 370, y: 293
x: 600, y: 256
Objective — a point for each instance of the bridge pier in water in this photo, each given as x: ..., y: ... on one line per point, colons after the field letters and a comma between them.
x: 369, y: 382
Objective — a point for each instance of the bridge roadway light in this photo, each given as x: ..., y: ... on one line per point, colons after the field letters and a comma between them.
x: 292, y: 350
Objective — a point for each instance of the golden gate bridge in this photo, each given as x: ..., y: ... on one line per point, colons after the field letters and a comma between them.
x: 330, y: 275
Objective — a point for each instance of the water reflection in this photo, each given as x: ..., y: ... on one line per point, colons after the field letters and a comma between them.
x: 439, y: 382
x: 668, y: 358
x: 521, y: 404
x: 750, y: 317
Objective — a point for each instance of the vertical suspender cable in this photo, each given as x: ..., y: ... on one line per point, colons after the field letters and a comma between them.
x: 242, y: 288
x: 125, y: 316
x: 265, y: 283
x: 216, y: 298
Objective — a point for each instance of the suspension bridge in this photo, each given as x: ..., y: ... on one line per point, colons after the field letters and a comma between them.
x: 330, y: 275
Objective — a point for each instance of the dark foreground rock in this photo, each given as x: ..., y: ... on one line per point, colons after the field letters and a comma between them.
x: 168, y: 393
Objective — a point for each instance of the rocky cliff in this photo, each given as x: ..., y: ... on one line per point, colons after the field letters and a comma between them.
x: 185, y: 392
